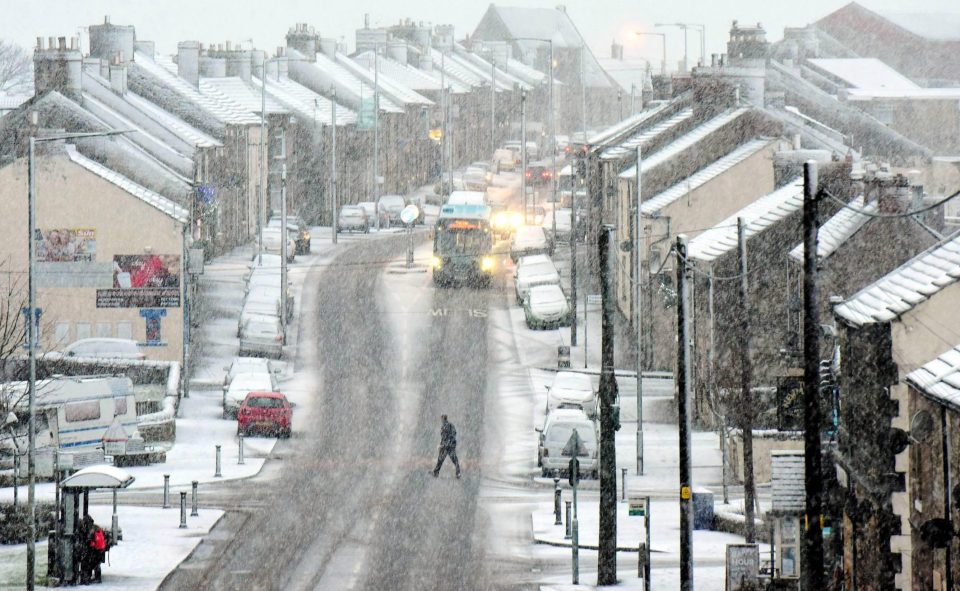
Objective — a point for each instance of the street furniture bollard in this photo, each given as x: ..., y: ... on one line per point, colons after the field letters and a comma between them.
x: 576, y: 554
x: 183, y: 509
x: 563, y: 357
x: 166, y: 491
x: 568, y: 534
x: 218, y: 474
x: 623, y: 484
x: 556, y: 502
x: 240, y: 451
x: 642, y: 560
x: 194, y: 512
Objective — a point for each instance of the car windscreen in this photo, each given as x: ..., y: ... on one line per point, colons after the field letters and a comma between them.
x: 546, y: 296
x: 536, y: 269
x: 456, y: 242
x: 264, y: 402
x: 561, y: 432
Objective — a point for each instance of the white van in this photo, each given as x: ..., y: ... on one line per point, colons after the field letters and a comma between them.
x: 74, y: 412
x: 467, y: 198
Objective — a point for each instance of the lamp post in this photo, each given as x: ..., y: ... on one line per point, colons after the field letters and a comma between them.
x: 32, y: 333
x: 663, y: 39
x: 702, y: 29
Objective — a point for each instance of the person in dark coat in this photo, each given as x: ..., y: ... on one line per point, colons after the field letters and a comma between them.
x: 448, y: 445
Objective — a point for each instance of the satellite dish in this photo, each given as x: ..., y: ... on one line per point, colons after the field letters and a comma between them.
x: 409, y: 214
x: 921, y: 426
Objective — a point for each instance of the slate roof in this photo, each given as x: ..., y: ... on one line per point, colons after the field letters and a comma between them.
x: 701, y: 177
x: 903, y: 289
x: 617, y: 129
x: 455, y: 69
x: 305, y: 102
x: 758, y: 216
x: 396, y: 91
x: 523, y: 71
x: 646, y: 136
x: 687, y: 140
x: 940, y: 378
x: 164, y: 70
x: 149, y: 197
x: 838, y: 229
x: 938, y: 26
x: 243, y: 93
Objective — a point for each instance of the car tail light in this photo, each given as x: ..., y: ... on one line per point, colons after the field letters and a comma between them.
x: 278, y: 338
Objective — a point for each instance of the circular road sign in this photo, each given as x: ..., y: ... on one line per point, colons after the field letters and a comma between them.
x: 409, y: 214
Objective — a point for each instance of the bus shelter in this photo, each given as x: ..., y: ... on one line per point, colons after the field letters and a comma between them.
x: 66, y: 541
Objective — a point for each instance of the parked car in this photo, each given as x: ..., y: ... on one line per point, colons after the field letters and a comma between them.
x: 272, y: 241
x: 572, y: 388
x: 475, y: 178
x: 270, y: 294
x: 262, y: 335
x: 554, y: 436
x: 486, y: 168
x: 297, y: 230
x: 104, y: 348
x: 265, y: 277
x: 241, y: 365
x: 369, y: 208
x: 529, y: 240
x: 532, y: 274
x: 390, y: 207
x: 420, y: 201
x: 546, y: 307
x: 241, y: 385
x: 354, y: 219
x: 268, y: 412
x: 504, y: 159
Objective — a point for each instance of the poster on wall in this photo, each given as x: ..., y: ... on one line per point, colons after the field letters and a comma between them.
x: 143, y: 281
x: 66, y: 245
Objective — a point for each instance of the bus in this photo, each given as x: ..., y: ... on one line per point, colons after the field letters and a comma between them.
x: 463, y: 246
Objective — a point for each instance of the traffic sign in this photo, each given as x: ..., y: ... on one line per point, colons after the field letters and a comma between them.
x: 637, y: 506
x: 574, y: 446
x: 409, y: 214
x: 436, y: 134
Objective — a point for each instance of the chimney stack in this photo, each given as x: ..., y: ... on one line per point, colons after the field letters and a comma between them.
x: 188, y: 62
x: 107, y: 39
x: 118, y: 74
x: 57, y: 68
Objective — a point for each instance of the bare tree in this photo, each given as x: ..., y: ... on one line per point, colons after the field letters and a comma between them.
x: 13, y: 329
x: 16, y: 69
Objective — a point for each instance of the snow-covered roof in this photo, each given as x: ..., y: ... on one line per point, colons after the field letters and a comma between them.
x: 684, y: 142
x: 347, y: 79
x: 646, y: 136
x: 839, y: 228
x: 621, y: 127
x: 164, y: 70
x: 521, y: 70
x: 9, y: 102
x: 940, y: 378
x: 455, y: 69
x: 758, y: 216
x: 305, y: 102
x: 396, y: 91
x: 938, y: 26
x: 702, y: 176
x: 172, y: 122
x: 900, y: 291
x: 100, y: 476
x: 149, y: 197
x: 863, y: 72
x: 405, y: 74
x: 242, y: 93
x: 928, y: 94
x: 505, y: 80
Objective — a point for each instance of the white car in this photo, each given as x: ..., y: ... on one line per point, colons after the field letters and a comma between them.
x: 554, y: 436
x: 475, y: 178
x: 269, y: 294
x: 266, y: 277
x: 241, y: 365
x: 529, y: 240
x: 533, y: 274
x: 546, y: 307
x: 262, y: 335
x: 104, y: 348
x: 241, y: 385
x: 570, y: 388
x: 259, y: 310
x: 273, y: 239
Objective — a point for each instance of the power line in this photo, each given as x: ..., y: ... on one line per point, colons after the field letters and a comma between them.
x: 845, y: 205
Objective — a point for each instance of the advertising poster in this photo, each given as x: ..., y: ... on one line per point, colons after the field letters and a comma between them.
x: 66, y: 245
x: 143, y: 281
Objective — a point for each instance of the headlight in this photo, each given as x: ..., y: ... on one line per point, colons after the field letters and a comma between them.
x: 486, y: 264
x: 500, y: 220
x: 437, y: 262
x: 516, y: 220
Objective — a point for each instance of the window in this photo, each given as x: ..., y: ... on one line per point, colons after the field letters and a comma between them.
x: 83, y: 330
x: 124, y: 330
x: 82, y: 411
x: 104, y: 329
x: 61, y: 333
x: 119, y: 406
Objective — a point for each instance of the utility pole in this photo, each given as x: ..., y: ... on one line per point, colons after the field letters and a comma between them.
x: 573, y: 263
x: 333, y: 165
x: 283, y: 238
x: 683, y: 407
x: 493, y: 105
x: 376, y: 133
x: 523, y: 153
x: 262, y: 196
x: 609, y: 420
x: 638, y: 306
x: 32, y: 353
x: 812, y: 549
x: 553, y: 132
x: 746, y: 387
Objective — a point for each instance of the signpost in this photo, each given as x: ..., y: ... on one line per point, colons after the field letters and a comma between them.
x: 574, y: 448
x: 743, y: 566
x: 408, y: 216
x: 640, y: 507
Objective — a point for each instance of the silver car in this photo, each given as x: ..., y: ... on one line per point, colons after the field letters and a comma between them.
x: 262, y: 335
x: 353, y: 218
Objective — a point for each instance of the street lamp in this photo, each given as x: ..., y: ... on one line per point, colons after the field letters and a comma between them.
x: 32, y: 328
x: 663, y: 39
x: 702, y: 29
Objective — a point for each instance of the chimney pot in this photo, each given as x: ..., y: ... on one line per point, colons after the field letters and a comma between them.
x: 51, y: 43
x: 227, y: 44
x: 39, y: 42
x: 62, y: 43
x: 106, y: 19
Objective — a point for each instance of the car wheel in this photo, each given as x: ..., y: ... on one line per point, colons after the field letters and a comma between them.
x: 544, y: 472
x: 539, y: 460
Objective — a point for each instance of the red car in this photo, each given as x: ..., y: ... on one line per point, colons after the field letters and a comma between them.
x: 268, y: 412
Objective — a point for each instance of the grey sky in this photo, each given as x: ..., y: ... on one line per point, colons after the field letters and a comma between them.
x: 266, y: 22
